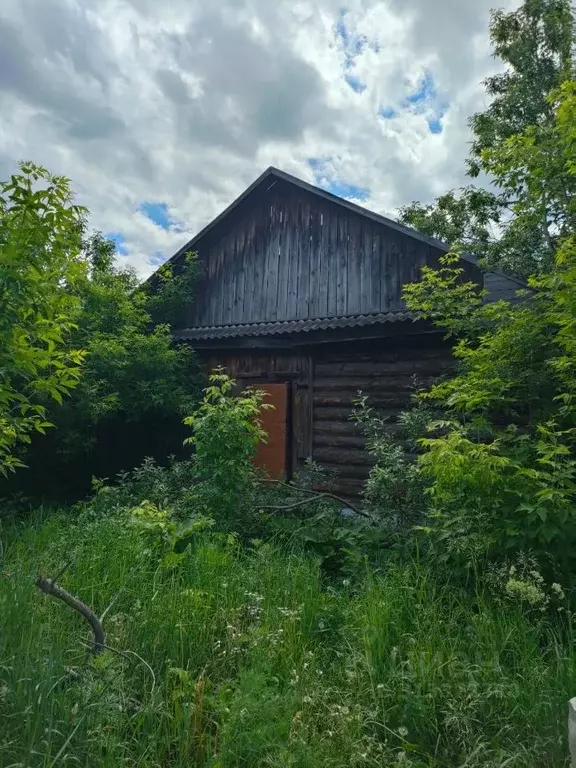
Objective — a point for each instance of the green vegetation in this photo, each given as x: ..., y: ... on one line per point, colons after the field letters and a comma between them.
x: 509, y: 226
x: 253, y: 623
x: 40, y: 231
x: 235, y: 656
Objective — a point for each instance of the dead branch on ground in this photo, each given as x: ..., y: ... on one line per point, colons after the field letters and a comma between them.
x: 317, y: 494
x: 49, y: 587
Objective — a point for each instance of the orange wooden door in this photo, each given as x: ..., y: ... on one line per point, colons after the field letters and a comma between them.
x: 271, y: 455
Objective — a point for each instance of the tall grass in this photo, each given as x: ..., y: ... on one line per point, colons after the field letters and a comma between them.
x: 239, y: 658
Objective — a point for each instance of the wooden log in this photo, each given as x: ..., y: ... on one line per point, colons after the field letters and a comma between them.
x: 389, y: 351
x: 352, y: 471
x: 342, y: 456
x: 339, y: 441
x: 336, y: 427
x: 384, y: 384
x: 388, y: 401
x: 351, y: 489
x: 343, y: 428
x: 329, y: 413
x: 322, y: 413
x: 432, y: 367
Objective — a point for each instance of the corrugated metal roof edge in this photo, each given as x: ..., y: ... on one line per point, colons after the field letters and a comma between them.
x: 283, y: 327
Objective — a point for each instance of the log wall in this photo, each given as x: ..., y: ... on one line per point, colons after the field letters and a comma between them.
x: 385, y: 371
x: 326, y: 381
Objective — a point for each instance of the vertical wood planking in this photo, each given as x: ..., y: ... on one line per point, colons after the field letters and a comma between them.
x: 366, y: 239
x: 385, y: 296
x: 272, y: 260
x: 302, y: 234
x: 376, y: 268
x: 354, y: 258
x: 342, y: 256
x: 331, y: 230
x: 292, y: 238
x: 315, y: 261
x: 396, y: 269
x: 288, y: 254
x: 250, y: 274
x: 283, y: 262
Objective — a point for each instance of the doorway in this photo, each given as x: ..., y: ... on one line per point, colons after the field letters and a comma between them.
x: 272, y: 455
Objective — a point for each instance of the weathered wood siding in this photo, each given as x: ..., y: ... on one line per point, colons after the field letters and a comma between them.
x: 324, y: 385
x: 385, y: 372
x: 287, y: 254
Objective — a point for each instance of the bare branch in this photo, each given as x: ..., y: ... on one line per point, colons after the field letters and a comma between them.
x: 279, y: 508
x: 50, y: 588
x: 317, y: 494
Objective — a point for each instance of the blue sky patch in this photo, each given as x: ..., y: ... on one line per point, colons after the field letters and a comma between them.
x: 424, y: 100
x: 425, y: 91
x: 158, y: 213
x: 157, y: 258
x: 337, y: 186
x: 120, y: 241
x: 387, y: 113
x: 353, y: 46
x: 343, y: 189
x: 435, y: 125
x: 355, y: 83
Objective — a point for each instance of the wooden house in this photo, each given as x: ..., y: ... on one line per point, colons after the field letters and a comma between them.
x: 301, y: 295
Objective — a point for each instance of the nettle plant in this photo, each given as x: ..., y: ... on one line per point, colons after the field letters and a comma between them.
x: 227, y: 429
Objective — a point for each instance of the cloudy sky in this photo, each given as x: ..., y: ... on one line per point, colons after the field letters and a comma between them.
x: 163, y: 112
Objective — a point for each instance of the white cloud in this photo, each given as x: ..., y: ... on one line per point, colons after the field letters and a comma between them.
x: 185, y: 103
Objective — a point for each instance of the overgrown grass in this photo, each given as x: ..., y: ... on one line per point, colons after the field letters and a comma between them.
x: 249, y: 658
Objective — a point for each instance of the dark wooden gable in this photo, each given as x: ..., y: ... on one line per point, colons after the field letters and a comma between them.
x: 287, y: 253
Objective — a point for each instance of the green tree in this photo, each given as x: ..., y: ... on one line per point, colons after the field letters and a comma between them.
x: 136, y: 384
x: 508, y: 226
x: 40, y: 265
x: 503, y: 474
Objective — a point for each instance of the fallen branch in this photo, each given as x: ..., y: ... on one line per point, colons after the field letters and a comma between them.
x: 279, y: 508
x: 49, y: 587
x: 318, y: 494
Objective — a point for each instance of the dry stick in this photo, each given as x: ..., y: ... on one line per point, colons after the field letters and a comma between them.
x: 50, y: 588
x: 277, y: 508
x: 318, y: 493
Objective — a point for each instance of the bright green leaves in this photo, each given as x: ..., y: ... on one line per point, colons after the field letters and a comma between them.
x: 226, y: 430
x: 40, y: 246
x: 492, y: 488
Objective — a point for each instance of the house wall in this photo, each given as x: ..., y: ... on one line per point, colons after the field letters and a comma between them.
x: 325, y: 381
x: 287, y: 254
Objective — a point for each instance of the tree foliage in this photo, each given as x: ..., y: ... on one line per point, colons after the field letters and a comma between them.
x: 136, y: 385
x: 40, y: 267
x: 503, y: 476
x: 517, y: 223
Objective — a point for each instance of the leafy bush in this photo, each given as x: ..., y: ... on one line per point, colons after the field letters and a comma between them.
x: 395, y: 492
x: 226, y: 431
x: 136, y: 385
x: 40, y: 264
x: 503, y: 474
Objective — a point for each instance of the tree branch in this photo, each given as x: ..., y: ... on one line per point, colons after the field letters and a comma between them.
x: 318, y: 494
x: 50, y: 588
x: 278, y: 508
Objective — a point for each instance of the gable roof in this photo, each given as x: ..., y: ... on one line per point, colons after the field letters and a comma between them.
x: 499, y: 285
x: 271, y: 175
